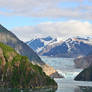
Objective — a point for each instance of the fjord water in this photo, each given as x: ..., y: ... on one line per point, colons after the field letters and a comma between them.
x: 66, y: 67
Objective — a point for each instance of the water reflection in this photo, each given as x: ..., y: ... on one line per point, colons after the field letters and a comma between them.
x: 66, y: 85
x: 77, y: 89
x: 86, y: 89
x: 83, y: 89
x: 26, y: 90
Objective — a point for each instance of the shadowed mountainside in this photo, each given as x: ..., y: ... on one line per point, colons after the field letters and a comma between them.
x: 85, y: 75
x: 10, y: 39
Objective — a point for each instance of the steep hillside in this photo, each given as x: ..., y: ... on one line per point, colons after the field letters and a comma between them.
x: 17, y: 71
x: 10, y: 39
x: 85, y: 75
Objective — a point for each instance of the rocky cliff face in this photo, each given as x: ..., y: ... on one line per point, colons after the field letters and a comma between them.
x: 85, y: 75
x: 17, y: 71
x: 86, y: 64
x: 10, y: 39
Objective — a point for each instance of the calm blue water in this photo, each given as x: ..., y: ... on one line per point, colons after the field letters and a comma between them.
x: 64, y: 66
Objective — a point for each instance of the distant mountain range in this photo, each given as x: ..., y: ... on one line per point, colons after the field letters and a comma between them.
x: 70, y: 48
x: 38, y: 44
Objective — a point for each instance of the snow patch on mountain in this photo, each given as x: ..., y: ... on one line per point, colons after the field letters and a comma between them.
x: 72, y: 47
x: 38, y: 44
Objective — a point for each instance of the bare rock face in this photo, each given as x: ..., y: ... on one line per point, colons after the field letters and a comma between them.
x: 10, y: 39
x: 50, y: 71
x: 86, y: 64
x: 85, y: 75
x: 2, y: 57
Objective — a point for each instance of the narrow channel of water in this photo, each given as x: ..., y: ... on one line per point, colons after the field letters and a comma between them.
x: 66, y: 67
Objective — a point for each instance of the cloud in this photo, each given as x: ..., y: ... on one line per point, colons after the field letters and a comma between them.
x: 63, y: 30
x: 46, y: 9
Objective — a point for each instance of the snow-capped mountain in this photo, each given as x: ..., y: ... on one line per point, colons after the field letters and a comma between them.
x: 38, y: 44
x: 72, y: 47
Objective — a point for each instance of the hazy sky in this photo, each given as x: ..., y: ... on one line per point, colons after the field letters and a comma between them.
x: 58, y: 18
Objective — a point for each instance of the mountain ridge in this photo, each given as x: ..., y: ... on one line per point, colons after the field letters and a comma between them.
x: 70, y: 48
x: 38, y: 44
x: 10, y: 39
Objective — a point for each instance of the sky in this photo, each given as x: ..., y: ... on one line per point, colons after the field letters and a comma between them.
x: 57, y: 18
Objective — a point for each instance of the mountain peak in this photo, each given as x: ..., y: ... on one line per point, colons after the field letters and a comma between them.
x: 72, y: 47
x: 48, y: 38
x: 3, y: 29
x: 39, y: 43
